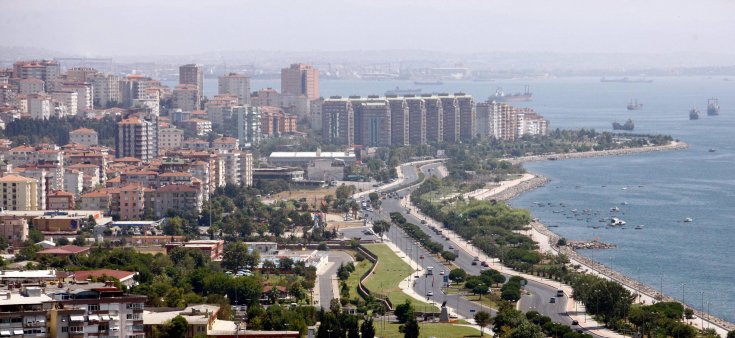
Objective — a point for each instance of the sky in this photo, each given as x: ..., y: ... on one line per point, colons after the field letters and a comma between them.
x: 183, y: 27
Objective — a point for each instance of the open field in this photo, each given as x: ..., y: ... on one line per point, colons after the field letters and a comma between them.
x: 352, y: 282
x: 309, y: 194
x: 390, y: 272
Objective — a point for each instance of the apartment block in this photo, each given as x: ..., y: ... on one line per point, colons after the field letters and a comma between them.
x: 68, y: 98
x: 300, y: 79
x: 18, y: 193
x: 399, y: 122
x: 14, y: 229
x: 467, y: 117
x: 31, y: 86
x: 39, y: 106
x: 170, y: 138
x: 450, y: 118
x: 85, y: 136
x: 106, y: 88
x: 338, y: 121
x: 372, y: 122
x: 416, y: 120
x: 137, y: 137
x: 434, y: 119
x: 192, y: 74
x: 248, y: 125
x: 235, y: 84
x: 186, y: 97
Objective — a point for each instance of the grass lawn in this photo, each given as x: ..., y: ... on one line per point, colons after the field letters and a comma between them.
x: 487, y: 300
x: 354, y: 279
x: 390, y: 272
x: 427, y: 330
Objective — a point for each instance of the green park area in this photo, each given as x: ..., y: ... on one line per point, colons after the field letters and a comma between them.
x: 390, y: 330
x: 391, y: 270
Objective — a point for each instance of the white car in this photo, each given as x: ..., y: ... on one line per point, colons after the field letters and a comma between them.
x: 430, y: 293
x: 441, y: 272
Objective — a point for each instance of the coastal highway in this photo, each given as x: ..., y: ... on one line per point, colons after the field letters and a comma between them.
x: 537, y: 296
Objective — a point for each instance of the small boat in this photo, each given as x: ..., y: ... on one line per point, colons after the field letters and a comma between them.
x: 713, y: 107
x: 712, y: 150
x: 614, y: 209
x: 624, y: 203
x: 639, y: 226
x: 634, y: 105
x: 616, y: 221
x: 688, y: 220
x: 694, y: 114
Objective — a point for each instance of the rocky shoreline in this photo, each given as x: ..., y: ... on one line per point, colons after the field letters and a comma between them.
x: 629, y: 282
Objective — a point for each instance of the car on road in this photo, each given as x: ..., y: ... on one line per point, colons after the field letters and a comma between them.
x: 421, y: 257
x: 474, y: 262
x: 423, y: 221
x: 560, y: 293
x: 574, y: 322
x: 430, y: 293
x: 552, y: 300
x: 484, y: 264
x: 442, y: 272
x: 451, y: 247
x: 476, y: 259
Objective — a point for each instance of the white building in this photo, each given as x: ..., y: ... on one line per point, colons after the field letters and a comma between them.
x: 39, y: 106
x: 73, y: 181
x: 170, y: 138
x: 235, y: 84
x: 186, y: 97
x: 85, y: 136
x: 106, y: 90
x: 31, y: 86
x: 68, y: 98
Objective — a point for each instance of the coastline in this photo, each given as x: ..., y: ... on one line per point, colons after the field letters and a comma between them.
x: 646, y: 293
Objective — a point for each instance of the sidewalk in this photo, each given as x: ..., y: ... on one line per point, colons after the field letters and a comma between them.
x: 459, y: 242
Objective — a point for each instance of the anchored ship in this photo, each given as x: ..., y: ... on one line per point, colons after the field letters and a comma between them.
x: 401, y: 92
x: 694, y: 114
x: 634, y: 105
x: 501, y: 96
x: 713, y: 107
x: 626, y: 80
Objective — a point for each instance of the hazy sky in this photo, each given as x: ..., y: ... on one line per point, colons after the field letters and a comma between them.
x: 147, y: 27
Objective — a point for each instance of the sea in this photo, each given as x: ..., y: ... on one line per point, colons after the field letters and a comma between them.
x: 690, y: 261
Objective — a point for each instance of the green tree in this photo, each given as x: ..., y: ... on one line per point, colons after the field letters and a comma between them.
x: 731, y: 334
x: 457, y: 275
x: 482, y: 318
x: 175, y: 328
x: 35, y: 236
x: 410, y: 329
x: 480, y: 289
x: 381, y: 227
x: 367, y: 329
x: 404, y: 312
x: 449, y: 256
x: 236, y: 256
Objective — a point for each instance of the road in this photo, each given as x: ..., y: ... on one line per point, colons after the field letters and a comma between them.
x: 537, y: 296
x: 326, y: 285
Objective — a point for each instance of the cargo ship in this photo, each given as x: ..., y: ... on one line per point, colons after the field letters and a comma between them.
x: 713, y: 107
x: 501, y: 96
x: 635, y: 105
x: 401, y: 92
x: 428, y: 82
x: 626, y: 80
x: 628, y: 125
x: 694, y: 114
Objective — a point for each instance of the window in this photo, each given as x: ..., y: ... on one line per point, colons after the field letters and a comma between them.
x: 76, y: 329
x: 93, y: 307
x: 65, y: 329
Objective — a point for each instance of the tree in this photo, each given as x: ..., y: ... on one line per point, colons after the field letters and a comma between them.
x: 177, y: 327
x: 731, y: 334
x: 457, y: 275
x: 449, y: 256
x: 480, y: 289
x: 404, y: 312
x: 80, y: 240
x: 367, y: 329
x: 285, y: 263
x: 236, y: 256
x: 482, y: 318
x: 410, y: 329
x: 35, y: 236
x: 380, y: 227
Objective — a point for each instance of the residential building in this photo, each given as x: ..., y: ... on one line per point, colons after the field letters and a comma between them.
x: 46, y: 70
x: 137, y: 137
x: 246, y: 171
x: 170, y: 138
x: 14, y: 230
x: 124, y: 277
x: 31, y: 86
x: 300, y: 79
x: 467, y: 117
x: 248, y: 125
x: 64, y: 251
x: 96, y: 200
x: 85, y: 94
x: 179, y: 197
x: 81, y: 74
x: 372, y: 122
x: 73, y: 182
x: 214, y: 249
x: 39, y: 106
x: 450, y: 118
x: 106, y: 88
x: 60, y: 200
x: 131, y: 202
x: 267, y: 97
x: 186, y: 97
x: 23, y: 312
x: 235, y: 84
x: 434, y: 118
x: 416, y: 120
x: 338, y: 121
x: 18, y: 193
x: 302, y: 158
x: 85, y: 136
x: 219, y: 109
x: 90, y: 174
x: 192, y: 74
x: 399, y: 122
x: 198, y: 126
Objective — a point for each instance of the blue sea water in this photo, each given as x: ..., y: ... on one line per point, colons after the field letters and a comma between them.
x: 693, y: 260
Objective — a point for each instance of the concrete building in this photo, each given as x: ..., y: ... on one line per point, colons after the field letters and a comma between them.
x: 85, y: 94
x: 137, y: 137
x: 338, y: 121
x: 81, y: 74
x: 467, y: 117
x: 24, y: 311
x: 267, y: 97
x: 325, y: 170
x: 106, y: 89
x: 398, y: 121
x: 18, y: 193
x: 372, y: 122
x: 302, y: 158
x: 31, y: 86
x: 46, y: 70
x: 186, y: 97
x: 450, y: 118
x: 192, y: 74
x: 198, y: 126
x: 212, y: 248
x: 73, y: 182
x: 416, y: 120
x: 434, y: 118
x: 85, y: 136
x: 170, y: 138
x: 60, y: 200
x: 39, y: 106
x: 248, y: 125
x: 14, y: 230
x: 235, y: 84
x: 300, y: 79
x: 220, y: 109
x: 179, y: 197
x: 246, y: 170
x: 90, y: 174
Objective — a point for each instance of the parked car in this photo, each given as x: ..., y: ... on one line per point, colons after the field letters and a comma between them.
x: 552, y: 300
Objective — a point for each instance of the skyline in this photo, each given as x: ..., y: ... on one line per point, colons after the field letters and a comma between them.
x: 158, y: 29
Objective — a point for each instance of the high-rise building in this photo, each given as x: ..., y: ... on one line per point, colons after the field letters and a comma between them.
x: 133, y: 87
x: 338, y: 121
x: 467, y: 117
x: 300, y: 79
x: 46, y: 70
x: 31, y: 86
x: 186, y: 97
x: 235, y: 84
x: 39, y: 106
x: 434, y: 118
x: 450, y: 117
x: 248, y: 124
x: 372, y: 122
x: 68, y: 98
x: 85, y: 93
x: 137, y: 137
x: 106, y: 88
x: 81, y: 74
x: 416, y: 120
x: 398, y: 121
x: 192, y: 74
